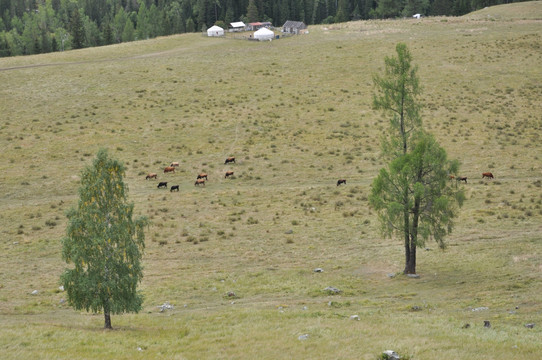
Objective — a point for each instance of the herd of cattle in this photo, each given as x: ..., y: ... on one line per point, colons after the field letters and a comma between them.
x: 201, y: 178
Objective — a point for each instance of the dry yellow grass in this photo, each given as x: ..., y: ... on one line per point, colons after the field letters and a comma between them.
x: 297, y: 115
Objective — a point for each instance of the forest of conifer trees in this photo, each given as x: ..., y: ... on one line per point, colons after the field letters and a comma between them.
x: 42, y: 26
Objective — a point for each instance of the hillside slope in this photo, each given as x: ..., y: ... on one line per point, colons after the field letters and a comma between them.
x: 528, y: 10
x: 296, y: 113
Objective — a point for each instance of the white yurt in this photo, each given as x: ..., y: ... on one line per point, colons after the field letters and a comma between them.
x: 215, y: 31
x: 264, y: 34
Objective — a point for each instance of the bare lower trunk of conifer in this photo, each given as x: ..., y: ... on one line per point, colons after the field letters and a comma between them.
x: 407, y: 255
x: 107, y: 317
x: 410, y: 267
x: 406, y: 231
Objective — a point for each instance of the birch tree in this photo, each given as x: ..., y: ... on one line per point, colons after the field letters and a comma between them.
x: 103, y: 244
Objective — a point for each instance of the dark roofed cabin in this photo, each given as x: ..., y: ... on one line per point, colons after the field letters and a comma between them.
x: 293, y: 27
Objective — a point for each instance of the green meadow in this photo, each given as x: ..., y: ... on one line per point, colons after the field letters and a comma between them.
x: 236, y: 258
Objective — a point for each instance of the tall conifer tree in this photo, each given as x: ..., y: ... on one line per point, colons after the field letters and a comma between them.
x: 252, y: 11
x: 77, y: 30
x: 412, y: 195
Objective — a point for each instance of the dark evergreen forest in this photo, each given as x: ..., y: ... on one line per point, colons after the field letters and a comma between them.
x: 41, y: 26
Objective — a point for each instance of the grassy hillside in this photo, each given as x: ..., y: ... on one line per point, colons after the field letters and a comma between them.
x: 296, y: 113
x: 528, y: 10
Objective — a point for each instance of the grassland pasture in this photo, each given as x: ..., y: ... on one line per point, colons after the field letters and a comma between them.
x: 296, y: 113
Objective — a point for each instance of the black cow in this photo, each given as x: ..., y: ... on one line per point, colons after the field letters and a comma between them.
x: 462, y: 178
x: 162, y: 184
x: 174, y: 188
x: 341, y: 181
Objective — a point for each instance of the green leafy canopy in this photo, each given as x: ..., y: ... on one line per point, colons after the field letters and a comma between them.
x: 103, y: 243
x: 423, y: 173
x: 396, y: 94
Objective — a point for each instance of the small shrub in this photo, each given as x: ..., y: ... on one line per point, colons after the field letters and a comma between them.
x: 349, y: 213
x: 252, y: 221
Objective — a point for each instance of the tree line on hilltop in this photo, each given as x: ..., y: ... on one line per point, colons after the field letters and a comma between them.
x: 42, y: 26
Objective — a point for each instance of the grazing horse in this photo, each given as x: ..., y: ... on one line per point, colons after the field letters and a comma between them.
x: 174, y: 188
x: 151, y: 176
x: 202, y: 176
x: 487, y: 175
x: 341, y: 181
x: 231, y: 159
x: 228, y: 174
x: 199, y: 182
x: 462, y: 178
x: 169, y: 169
x: 162, y: 184
x: 174, y: 164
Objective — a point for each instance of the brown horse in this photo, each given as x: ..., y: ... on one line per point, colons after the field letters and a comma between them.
x: 231, y: 159
x: 487, y: 175
x: 169, y: 169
